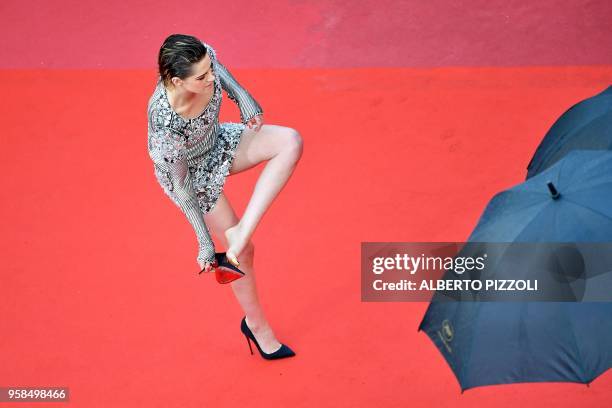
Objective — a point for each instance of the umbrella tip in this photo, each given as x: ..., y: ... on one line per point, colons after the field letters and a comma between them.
x: 554, y: 193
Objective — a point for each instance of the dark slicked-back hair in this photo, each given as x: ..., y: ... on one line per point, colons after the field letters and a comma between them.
x: 177, y: 54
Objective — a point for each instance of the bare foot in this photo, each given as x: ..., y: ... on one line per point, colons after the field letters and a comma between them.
x: 236, y: 242
x: 265, y: 337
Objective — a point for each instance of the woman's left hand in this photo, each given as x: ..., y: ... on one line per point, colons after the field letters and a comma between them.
x: 255, y: 123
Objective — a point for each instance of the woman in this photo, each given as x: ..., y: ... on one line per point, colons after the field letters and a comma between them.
x: 193, y: 154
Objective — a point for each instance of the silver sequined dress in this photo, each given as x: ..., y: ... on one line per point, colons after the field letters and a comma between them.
x: 192, y: 158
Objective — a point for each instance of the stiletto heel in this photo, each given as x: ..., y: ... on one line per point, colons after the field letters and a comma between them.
x: 282, y: 352
x: 249, y: 341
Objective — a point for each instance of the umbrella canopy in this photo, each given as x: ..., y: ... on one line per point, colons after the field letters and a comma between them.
x: 507, y: 342
x: 585, y: 126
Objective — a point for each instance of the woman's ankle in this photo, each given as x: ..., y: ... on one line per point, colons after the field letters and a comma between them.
x: 257, y: 324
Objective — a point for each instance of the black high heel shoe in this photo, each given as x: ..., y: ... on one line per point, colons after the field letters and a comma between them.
x: 225, y: 271
x: 282, y: 352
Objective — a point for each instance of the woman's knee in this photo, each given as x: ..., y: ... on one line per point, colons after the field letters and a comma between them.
x: 294, y: 142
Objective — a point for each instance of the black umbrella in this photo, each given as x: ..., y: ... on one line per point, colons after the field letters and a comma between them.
x: 585, y: 126
x: 507, y: 342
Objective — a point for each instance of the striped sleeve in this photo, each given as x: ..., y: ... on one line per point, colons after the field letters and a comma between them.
x: 175, y: 165
x: 248, y: 106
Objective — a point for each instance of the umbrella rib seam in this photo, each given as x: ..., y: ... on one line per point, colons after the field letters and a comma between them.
x: 589, y: 208
x: 580, y: 362
x: 469, y: 357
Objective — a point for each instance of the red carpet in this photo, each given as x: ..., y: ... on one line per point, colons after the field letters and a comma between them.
x: 414, y: 114
x: 100, y: 291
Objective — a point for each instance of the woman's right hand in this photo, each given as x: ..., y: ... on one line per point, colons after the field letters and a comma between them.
x: 207, y: 266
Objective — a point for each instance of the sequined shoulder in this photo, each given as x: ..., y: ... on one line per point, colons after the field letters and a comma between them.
x: 158, y: 111
x: 165, y: 144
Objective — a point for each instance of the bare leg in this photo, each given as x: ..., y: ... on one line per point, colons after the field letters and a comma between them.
x: 218, y: 220
x: 282, y: 148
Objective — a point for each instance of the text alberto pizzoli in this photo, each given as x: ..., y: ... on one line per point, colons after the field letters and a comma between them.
x: 459, y: 265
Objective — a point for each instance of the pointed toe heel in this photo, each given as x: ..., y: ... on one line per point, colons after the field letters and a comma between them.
x: 283, y: 352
